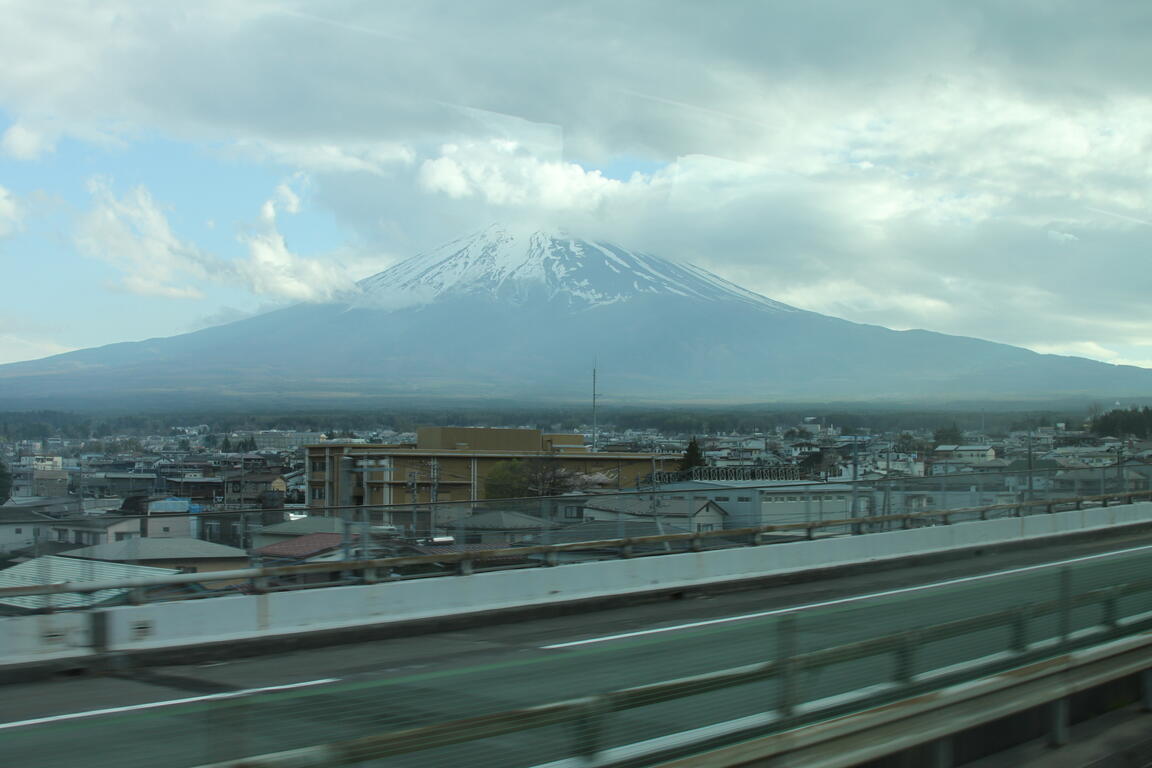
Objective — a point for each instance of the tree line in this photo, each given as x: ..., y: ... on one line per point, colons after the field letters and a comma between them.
x: 1122, y: 423
x: 671, y: 420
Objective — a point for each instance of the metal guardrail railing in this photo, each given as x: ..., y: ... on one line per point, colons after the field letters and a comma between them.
x: 465, y: 562
x: 1044, y: 629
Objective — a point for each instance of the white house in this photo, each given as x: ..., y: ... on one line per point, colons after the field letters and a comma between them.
x: 19, y: 528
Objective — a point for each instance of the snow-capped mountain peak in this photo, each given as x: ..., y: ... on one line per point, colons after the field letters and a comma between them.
x: 549, y: 266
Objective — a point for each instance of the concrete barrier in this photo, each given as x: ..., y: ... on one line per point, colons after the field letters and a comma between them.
x: 245, y: 617
x: 45, y: 637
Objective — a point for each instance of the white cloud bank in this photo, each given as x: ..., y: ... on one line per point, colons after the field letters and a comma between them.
x: 975, y: 168
x: 11, y: 212
x: 15, y: 348
x: 133, y: 234
x: 502, y: 173
x: 272, y: 270
x: 22, y: 142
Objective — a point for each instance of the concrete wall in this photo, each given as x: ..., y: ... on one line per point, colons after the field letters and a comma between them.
x: 47, y: 637
x: 165, y: 625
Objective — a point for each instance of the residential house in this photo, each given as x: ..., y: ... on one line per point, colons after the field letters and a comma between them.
x: 166, y: 517
x: 198, y: 490
x: 52, y: 506
x: 20, y: 528
x: 122, y: 484
x: 971, y: 453
x: 254, y: 490
x: 96, y: 529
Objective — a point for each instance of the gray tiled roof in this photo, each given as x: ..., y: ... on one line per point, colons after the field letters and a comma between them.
x: 612, y: 529
x: 311, y: 524
x: 498, y: 520
x: 18, y: 515
x: 168, y: 548
x: 56, y: 570
x: 93, y: 522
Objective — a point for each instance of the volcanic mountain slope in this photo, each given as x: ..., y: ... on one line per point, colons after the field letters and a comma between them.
x: 576, y: 274
x: 501, y: 315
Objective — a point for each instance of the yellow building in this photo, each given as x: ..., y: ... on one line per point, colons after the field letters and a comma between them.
x: 451, y: 464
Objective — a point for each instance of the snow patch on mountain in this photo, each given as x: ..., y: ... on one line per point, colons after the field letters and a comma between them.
x: 554, y: 267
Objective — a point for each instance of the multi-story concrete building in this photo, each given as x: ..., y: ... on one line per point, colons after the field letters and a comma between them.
x: 452, y: 463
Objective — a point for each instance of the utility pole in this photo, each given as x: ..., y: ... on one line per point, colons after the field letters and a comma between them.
x: 654, y: 487
x: 1031, y: 486
x: 656, y: 508
x: 1120, y: 485
x: 412, y: 494
x: 80, y: 461
x: 433, y: 493
x: 855, y: 471
x: 595, y: 425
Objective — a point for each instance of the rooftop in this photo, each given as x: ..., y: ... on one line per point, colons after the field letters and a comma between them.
x: 18, y: 515
x: 59, y: 570
x: 175, y: 548
x: 498, y: 520
x: 310, y: 524
x: 308, y: 545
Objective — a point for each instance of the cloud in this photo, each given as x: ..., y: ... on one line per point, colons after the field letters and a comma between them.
x: 1077, y: 349
x: 1123, y: 217
x: 376, y: 158
x: 921, y: 163
x: 132, y: 234
x: 22, y: 338
x: 22, y: 142
x: 288, y: 199
x: 221, y: 316
x: 11, y: 212
x: 501, y: 173
x: 271, y: 269
x: 15, y: 348
x: 228, y: 314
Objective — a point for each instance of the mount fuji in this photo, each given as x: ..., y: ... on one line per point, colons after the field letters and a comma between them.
x: 503, y: 315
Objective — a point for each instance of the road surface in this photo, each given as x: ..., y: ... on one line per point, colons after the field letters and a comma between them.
x: 190, y: 715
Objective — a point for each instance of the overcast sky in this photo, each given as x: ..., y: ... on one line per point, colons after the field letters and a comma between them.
x: 976, y: 168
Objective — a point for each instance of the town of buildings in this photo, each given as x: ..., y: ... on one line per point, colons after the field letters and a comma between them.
x: 191, y: 502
